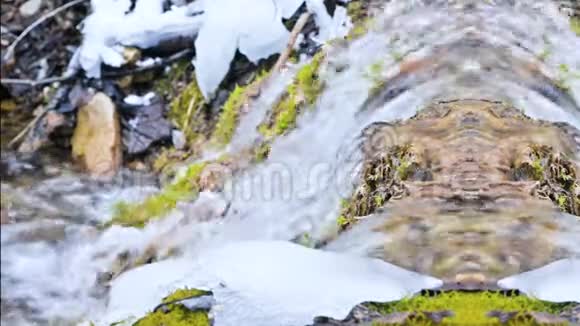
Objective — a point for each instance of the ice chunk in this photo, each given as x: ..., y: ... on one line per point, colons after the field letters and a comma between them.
x: 111, y: 25
x: 558, y: 281
x: 268, y: 283
x: 258, y: 33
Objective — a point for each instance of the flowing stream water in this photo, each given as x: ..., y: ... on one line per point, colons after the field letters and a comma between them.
x: 518, y: 52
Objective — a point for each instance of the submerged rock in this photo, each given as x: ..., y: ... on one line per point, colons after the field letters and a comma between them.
x: 97, y: 137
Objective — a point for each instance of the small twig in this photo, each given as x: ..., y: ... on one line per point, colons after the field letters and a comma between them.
x: 10, y: 50
x: 254, y: 89
x: 293, y: 36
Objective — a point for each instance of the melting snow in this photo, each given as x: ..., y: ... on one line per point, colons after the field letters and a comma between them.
x: 558, y: 281
x: 267, y: 283
x: 254, y: 27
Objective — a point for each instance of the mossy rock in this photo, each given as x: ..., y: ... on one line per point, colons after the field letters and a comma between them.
x: 175, y: 314
x: 471, y: 308
x: 452, y: 308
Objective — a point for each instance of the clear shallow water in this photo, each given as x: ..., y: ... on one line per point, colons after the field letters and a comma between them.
x: 450, y: 50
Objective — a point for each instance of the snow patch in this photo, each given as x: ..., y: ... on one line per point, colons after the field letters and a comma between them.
x: 557, y: 282
x: 254, y: 27
x: 266, y: 283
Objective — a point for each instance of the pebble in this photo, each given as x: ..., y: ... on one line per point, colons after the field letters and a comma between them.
x: 30, y: 8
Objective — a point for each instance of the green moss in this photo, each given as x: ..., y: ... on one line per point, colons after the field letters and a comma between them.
x: 261, y: 152
x: 397, y: 56
x: 556, y: 176
x: 186, y: 103
x: 345, y: 221
x: 575, y: 25
x: 468, y: 308
x: 358, y: 14
x: 185, y: 293
x: 304, y: 90
x: 358, y: 30
x: 382, y: 179
x: 537, y: 169
x: 374, y: 74
x: 307, y: 78
x: 287, y: 112
x: 564, y: 76
x: 182, y: 107
x: 138, y: 214
x: 227, y: 123
x: 177, y: 315
x: 356, y: 11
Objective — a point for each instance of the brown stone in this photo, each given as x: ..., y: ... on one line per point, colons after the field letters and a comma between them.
x: 97, y: 137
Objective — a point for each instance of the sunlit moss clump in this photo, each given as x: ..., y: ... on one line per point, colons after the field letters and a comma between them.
x: 175, y: 314
x: 182, y: 294
x: 374, y: 74
x: 226, y: 125
x: 359, y: 17
x: 303, y: 91
x: 227, y: 122
x: 261, y: 152
x: 138, y: 214
x: 468, y: 308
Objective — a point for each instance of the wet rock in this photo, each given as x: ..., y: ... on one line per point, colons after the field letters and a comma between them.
x: 30, y: 8
x: 97, y: 137
x: 147, y: 126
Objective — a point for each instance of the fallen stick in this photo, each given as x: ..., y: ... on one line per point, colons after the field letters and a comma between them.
x: 254, y: 90
x: 293, y: 36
